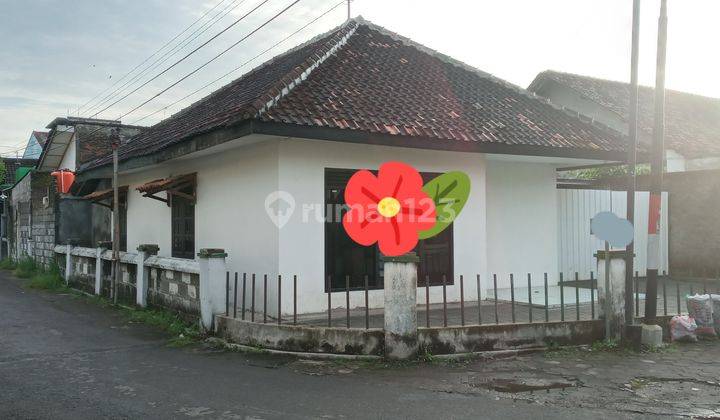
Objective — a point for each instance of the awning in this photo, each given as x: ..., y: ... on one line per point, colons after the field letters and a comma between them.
x: 97, y: 197
x: 172, y: 186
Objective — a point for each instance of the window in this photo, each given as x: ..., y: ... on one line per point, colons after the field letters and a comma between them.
x: 183, y: 224
x: 344, y: 257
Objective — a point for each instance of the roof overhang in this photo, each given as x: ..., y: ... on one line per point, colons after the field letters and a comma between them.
x: 246, y: 128
x: 172, y: 186
x: 99, y: 197
x: 55, y: 148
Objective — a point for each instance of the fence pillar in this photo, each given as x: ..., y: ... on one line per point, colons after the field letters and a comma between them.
x: 212, y: 284
x: 611, y: 295
x: 68, y: 262
x: 98, y: 270
x: 141, y: 284
x: 401, y: 336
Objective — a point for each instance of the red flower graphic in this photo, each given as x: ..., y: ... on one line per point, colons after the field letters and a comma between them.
x: 389, y: 209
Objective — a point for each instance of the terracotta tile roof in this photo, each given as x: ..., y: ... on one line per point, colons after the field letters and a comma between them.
x: 362, y: 77
x: 692, y: 122
x: 164, y: 184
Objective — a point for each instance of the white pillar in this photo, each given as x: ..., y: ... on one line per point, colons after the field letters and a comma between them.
x: 68, y: 263
x: 98, y: 270
x: 611, y: 295
x: 143, y: 273
x: 212, y: 284
x: 401, y: 336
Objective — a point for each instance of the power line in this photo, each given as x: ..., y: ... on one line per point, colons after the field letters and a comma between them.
x: 184, y: 58
x: 152, y: 55
x: 211, y: 60
x: 241, y: 65
x: 170, y: 53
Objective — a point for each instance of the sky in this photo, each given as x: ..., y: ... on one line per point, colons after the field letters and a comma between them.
x: 55, y: 55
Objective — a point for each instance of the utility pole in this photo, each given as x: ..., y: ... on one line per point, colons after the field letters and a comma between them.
x: 348, y: 4
x: 632, y: 160
x: 116, y: 219
x: 656, y: 171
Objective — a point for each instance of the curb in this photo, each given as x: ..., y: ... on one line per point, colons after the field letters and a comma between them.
x: 302, y: 355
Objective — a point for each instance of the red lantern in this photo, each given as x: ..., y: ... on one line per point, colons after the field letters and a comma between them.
x: 64, y: 180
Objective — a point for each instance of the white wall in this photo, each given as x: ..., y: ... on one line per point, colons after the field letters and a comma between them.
x: 302, y: 166
x: 69, y: 160
x: 577, y: 245
x: 521, y: 222
x: 234, y: 181
x: 229, y: 214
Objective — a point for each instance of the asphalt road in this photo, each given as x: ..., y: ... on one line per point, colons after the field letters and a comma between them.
x: 62, y: 356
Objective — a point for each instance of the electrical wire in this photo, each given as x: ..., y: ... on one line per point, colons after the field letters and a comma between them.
x: 170, y: 53
x: 211, y: 60
x: 183, y: 58
x: 241, y: 65
x: 151, y: 56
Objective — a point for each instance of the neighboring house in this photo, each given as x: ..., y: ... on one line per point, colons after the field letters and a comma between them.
x: 42, y: 217
x: 350, y: 99
x: 692, y: 122
x: 35, y: 145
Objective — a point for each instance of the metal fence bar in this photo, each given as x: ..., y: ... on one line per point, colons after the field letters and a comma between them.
x: 577, y: 297
x: 562, y: 298
x: 704, y: 287
x: 512, y: 297
x: 227, y: 293
x: 347, y: 301
x: 444, y: 280
x: 235, y: 297
x: 677, y: 286
x: 427, y: 300
x: 279, y: 309
x: 497, y: 319
x: 592, y: 295
x: 252, y: 302
x: 637, y: 294
x: 547, y: 310
x: 329, y: 292
x: 462, y: 301
x: 479, y: 300
x: 367, y: 304
x: 530, y: 319
x: 264, y: 298
x: 295, y: 299
x: 244, y: 295
x: 664, y: 291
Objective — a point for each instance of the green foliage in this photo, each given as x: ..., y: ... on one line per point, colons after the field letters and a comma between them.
x: 605, y: 172
x: 450, y: 192
x: 605, y: 345
x: 26, y: 268
x: 183, y: 332
x: 7, y: 264
x: 47, y: 281
x: 3, y: 172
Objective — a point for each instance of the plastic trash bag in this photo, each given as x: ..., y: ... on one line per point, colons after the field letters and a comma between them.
x: 700, y: 307
x: 682, y: 328
x: 716, y: 312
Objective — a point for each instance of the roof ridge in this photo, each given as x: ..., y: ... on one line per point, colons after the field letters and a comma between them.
x: 297, y: 75
x: 620, y: 82
x: 460, y: 64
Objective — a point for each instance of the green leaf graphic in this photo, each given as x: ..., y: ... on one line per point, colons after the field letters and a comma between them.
x: 450, y: 192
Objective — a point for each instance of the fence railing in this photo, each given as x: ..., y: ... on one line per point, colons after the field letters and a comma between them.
x: 528, y: 299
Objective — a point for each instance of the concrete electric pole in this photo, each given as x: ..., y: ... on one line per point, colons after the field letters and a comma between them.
x: 656, y: 169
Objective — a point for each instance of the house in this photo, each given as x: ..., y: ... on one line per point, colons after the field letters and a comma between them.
x: 692, y: 122
x: 692, y: 143
x: 41, y: 216
x: 35, y: 145
x: 296, y: 127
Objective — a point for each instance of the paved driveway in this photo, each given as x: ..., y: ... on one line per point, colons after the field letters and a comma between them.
x: 62, y: 356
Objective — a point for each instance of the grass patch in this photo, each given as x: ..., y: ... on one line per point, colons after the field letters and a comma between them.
x: 183, y: 332
x: 605, y: 345
x: 7, y: 264
x: 26, y: 268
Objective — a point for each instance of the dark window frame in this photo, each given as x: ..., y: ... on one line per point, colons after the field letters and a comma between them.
x: 179, y: 204
x: 335, y: 180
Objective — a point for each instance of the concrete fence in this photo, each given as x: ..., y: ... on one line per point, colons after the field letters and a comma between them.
x: 192, y: 287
